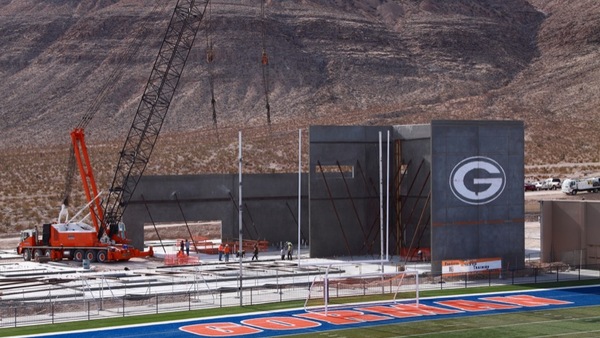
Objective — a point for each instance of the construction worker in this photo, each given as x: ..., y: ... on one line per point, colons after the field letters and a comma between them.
x: 255, y: 252
x: 290, y: 249
x: 221, y: 249
x: 227, y: 251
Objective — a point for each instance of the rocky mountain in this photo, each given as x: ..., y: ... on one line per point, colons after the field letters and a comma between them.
x: 368, y: 62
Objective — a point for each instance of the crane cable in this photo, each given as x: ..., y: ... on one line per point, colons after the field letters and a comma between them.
x: 265, y: 60
x: 210, y: 56
x: 114, y: 77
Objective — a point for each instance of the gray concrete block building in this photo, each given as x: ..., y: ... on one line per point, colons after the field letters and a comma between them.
x: 453, y: 189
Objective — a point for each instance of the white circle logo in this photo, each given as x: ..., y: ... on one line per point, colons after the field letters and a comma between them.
x: 477, y: 180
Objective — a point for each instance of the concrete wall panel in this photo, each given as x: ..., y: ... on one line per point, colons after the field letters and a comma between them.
x: 344, y: 210
x: 270, y: 204
x: 469, y: 159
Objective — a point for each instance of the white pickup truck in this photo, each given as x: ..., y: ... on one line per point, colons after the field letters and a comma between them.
x: 551, y: 184
x: 573, y: 186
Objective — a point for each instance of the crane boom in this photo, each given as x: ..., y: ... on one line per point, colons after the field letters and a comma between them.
x: 152, y: 109
x: 87, y: 176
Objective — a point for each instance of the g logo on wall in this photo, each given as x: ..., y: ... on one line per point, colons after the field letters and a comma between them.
x: 477, y: 180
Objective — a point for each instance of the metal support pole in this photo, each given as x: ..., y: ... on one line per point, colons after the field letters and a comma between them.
x: 299, y: 192
x: 186, y: 222
x: 240, y: 213
x: 381, y: 203
x: 387, y: 203
x: 153, y: 224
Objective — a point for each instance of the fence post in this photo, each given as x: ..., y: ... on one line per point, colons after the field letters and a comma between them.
x: 220, y: 298
x: 557, y: 268
x: 88, y: 306
x: 512, y: 274
x: 15, y: 316
x: 489, y: 277
x: 189, y: 301
x: 52, y: 311
x: 123, y: 306
x: 466, y: 276
x: 535, y: 275
x: 156, y: 303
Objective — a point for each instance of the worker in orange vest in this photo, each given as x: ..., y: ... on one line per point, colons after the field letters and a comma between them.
x: 220, y: 251
x: 227, y: 252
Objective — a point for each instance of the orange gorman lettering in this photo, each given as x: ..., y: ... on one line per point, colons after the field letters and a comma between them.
x: 281, y: 323
x: 526, y: 300
x: 219, y: 329
x: 343, y: 317
x: 408, y: 310
x: 474, y: 306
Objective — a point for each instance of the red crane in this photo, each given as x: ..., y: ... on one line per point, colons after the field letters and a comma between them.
x: 106, y: 240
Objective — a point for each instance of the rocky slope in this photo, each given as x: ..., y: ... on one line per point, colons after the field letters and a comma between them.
x: 370, y: 62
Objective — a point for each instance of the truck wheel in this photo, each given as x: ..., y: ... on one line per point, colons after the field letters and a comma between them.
x: 574, y: 192
x: 102, y: 256
x: 78, y: 255
x: 37, y: 253
x: 27, y: 255
x: 90, y: 255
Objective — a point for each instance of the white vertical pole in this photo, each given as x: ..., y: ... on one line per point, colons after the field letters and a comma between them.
x: 387, y: 212
x: 240, y: 211
x: 299, y: 191
x: 326, y: 289
x: 381, y: 201
x: 417, y: 287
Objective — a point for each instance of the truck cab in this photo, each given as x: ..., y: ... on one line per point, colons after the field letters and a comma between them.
x: 29, y: 239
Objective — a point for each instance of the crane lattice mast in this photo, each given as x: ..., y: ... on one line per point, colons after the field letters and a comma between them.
x: 152, y: 109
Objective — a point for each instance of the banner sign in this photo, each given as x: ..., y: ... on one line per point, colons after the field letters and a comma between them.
x: 457, y: 267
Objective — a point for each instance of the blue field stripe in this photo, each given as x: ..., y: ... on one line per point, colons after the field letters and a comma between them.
x: 250, y: 325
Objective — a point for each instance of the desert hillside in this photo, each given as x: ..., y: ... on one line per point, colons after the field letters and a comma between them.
x: 361, y: 62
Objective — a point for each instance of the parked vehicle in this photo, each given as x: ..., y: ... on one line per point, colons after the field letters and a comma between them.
x: 551, y: 184
x: 77, y: 240
x: 538, y: 185
x: 529, y: 187
x: 573, y: 186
